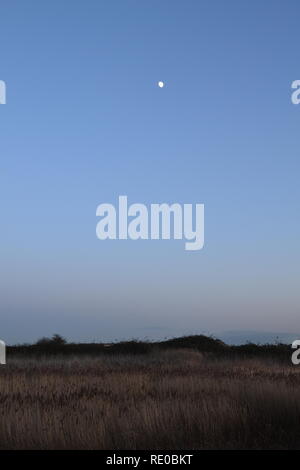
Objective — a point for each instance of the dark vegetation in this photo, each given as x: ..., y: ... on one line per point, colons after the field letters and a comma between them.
x: 57, y: 345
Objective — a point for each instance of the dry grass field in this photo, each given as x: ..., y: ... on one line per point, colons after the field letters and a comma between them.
x: 172, y: 399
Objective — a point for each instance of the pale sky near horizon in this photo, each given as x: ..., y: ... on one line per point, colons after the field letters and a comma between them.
x: 85, y: 122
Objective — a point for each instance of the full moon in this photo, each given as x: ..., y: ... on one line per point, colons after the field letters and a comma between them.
x: 161, y: 84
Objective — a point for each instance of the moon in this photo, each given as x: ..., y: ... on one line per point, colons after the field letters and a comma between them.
x: 161, y: 84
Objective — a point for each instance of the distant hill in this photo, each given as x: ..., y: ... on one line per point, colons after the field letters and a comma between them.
x: 240, y: 337
x: 200, y: 342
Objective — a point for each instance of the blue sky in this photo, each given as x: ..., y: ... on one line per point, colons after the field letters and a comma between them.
x: 85, y: 122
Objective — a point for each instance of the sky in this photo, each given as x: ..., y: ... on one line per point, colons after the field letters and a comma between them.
x: 86, y: 122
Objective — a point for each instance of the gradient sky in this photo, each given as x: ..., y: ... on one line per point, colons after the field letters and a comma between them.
x: 85, y: 122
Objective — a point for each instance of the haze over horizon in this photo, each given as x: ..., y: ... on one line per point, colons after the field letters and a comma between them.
x: 85, y: 122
